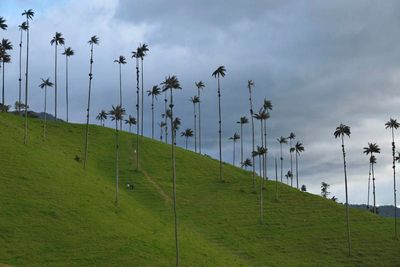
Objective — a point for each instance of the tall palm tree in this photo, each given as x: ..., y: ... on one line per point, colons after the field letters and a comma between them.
x: 200, y: 85
x: 288, y: 176
x: 130, y: 121
x: 218, y: 73
x: 242, y: 120
x: 250, y: 83
x: 393, y: 125
x: 341, y: 131
x: 94, y: 40
x: 267, y: 105
x: 136, y: 54
x: 276, y: 179
x: 144, y: 48
x: 102, y: 116
x: 28, y: 15
x: 262, y: 116
x: 370, y: 150
x: 3, y: 24
x: 154, y: 92
x: 45, y: 83
x: 298, y: 148
x: 5, y: 45
x: 291, y: 137
x: 282, y: 140
x: 23, y: 27
x: 172, y: 83
x: 162, y: 126
x: 117, y: 113
x: 234, y: 138
x: 57, y: 40
x: 187, y: 133
x: 246, y: 163
x: 68, y: 52
x: 195, y: 99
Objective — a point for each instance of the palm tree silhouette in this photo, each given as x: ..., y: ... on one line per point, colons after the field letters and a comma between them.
x: 4, y: 58
x: 291, y: 137
x: 172, y: 83
x: 130, y: 121
x: 341, y: 131
x: 94, y: 40
x: 154, y: 92
x: 137, y: 54
x: 165, y: 116
x: 57, y: 40
x: 121, y: 60
x: 250, y: 83
x: 195, y: 99
x: 287, y: 176
x: 242, y: 120
x: 29, y: 15
x: 282, y: 140
x: 45, y: 83
x: 200, y: 85
x: 117, y: 113
x: 3, y: 24
x: 246, y: 163
x: 102, y: 116
x: 393, y: 125
x: 23, y: 27
x: 187, y: 133
x: 68, y: 52
x: 298, y: 148
x: 219, y: 72
x: 142, y: 53
x: 234, y: 138
x: 370, y: 150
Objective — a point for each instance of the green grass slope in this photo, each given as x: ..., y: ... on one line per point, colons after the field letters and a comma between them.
x: 54, y: 213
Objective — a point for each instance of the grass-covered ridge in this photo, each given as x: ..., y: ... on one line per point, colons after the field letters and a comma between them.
x: 52, y: 212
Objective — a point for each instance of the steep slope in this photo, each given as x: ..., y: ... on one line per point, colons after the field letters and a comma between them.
x: 52, y: 212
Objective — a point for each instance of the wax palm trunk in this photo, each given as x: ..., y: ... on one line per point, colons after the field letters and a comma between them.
x: 152, y: 116
x: 173, y: 139
x: 117, y: 163
x: 297, y: 172
x: 291, y: 159
x: 281, y: 163
x: 120, y: 92
x: 3, y: 90
x: 26, y: 83
x: 195, y: 127
x: 276, y: 180
x: 369, y: 182
x: 55, y: 82
x: 45, y: 112
x: 88, y: 107
x: 266, y: 152
x: 262, y: 177
x: 220, y: 130
x: 241, y: 143
x: 261, y: 193
x: 137, y: 113
x: 20, y: 75
x: 347, y: 197
x: 252, y: 139
x: 66, y: 87
x: 373, y: 186
x: 166, y: 122
x: 394, y: 184
x: 141, y: 125
x: 198, y: 94
x: 234, y: 152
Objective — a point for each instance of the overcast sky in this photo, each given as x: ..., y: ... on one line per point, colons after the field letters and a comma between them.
x: 319, y: 62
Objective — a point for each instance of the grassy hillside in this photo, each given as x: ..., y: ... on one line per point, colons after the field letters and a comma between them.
x: 52, y: 212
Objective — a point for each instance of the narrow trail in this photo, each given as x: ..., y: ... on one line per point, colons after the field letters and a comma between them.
x: 167, y: 199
